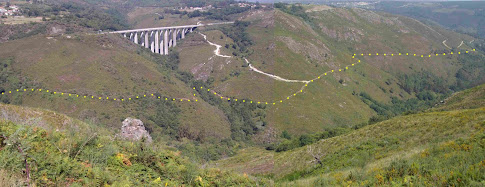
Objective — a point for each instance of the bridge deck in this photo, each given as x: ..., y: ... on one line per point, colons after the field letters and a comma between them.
x: 173, y: 27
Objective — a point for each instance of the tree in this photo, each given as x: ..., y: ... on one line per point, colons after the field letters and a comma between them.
x: 280, y: 5
x: 194, y: 14
x: 305, y: 140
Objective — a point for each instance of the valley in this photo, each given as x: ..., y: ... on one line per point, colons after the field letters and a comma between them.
x: 279, y: 95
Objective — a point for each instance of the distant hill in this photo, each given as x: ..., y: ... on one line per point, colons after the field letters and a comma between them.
x: 465, y: 17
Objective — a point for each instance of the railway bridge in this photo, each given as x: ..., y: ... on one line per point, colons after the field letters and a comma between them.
x: 160, y: 39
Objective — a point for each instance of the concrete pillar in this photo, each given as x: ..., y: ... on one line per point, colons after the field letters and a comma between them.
x: 142, y: 41
x: 146, y: 39
x: 152, y: 43
x: 170, y: 38
x: 124, y: 34
x: 165, y: 43
x: 157, y: 49
x: 191, y: 29
x: 162, y: 47
x: 136, y: 38
x: 162, y: 41
x: 131, y: 36
x: 183, y: 33
x: 174, y: 37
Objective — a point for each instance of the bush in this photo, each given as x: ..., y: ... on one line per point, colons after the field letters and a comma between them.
x: 76, y: 157
x: 296, y: 10
x: 286, y: 135
x: 302, y: 140
x: 424, y: 100
x: 241, y: 116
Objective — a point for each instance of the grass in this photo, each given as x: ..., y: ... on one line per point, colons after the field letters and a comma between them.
x: 110, y: 66
x: 460, y: 163
x: 252, y: 160
x: 69, y: 152
x: 197, y: 56
x: 104, y: 66
x: 147, y: 17
x: 430, y: 148
x: 388, y: 139
x: 470, y: 98
x: 7, y: 179
x: 282, y: 48
x: 378, y: 75
x: 365, y: 155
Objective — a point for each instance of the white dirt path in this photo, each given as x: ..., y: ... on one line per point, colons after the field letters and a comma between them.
x: 444, y: 43
x: 217, y: 52
x: 273, y: 76
x: 460, y: 44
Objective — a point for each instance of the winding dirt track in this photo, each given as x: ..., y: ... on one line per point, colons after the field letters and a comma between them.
x: 273, y: 76
x: 444, y: 43
x: 217, y: 52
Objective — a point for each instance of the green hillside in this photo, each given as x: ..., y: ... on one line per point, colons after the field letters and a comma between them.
x: 295, y: 95
x: 49, y: 149
x: 303, y: 43
x: 432, y: 148
x: 467, y: 99
x: 103, y: 79
x: 103, y: 66
x: 342, y: 33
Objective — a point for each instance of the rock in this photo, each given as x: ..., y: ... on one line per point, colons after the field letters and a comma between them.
x: 134, y: 130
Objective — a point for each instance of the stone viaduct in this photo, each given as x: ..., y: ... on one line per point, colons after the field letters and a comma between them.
x: 159, y: 39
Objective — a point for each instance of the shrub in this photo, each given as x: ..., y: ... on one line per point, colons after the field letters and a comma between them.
x: 73, y: 156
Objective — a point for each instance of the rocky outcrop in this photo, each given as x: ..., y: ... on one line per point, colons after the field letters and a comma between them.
x: 134, y: 130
